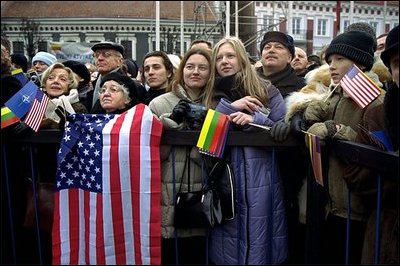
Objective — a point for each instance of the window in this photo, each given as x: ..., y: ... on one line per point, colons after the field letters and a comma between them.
x: 18, y: 47
x: 321, y: 27
x: 267, y: 21
x: 296, y: 25
x: 346, y: 23
x: 374, y: 25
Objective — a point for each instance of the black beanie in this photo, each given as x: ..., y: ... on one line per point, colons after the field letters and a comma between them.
x: 79, y: 69
x: 20, y: 60
x: 357, y: 46
x: 123, y: 80
x: 277, y: 36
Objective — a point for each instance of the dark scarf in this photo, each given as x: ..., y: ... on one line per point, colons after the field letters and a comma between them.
x: 153, y: 93
x: 225, y: 87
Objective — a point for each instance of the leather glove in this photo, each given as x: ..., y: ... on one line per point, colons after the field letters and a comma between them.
x: 179, y: 112
x: 279, y: 131
x: 316, y: 111
x: 297, y: 125
x: 323, y: 130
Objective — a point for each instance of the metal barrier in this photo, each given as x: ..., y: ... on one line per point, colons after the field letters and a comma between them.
x: 385, y: 162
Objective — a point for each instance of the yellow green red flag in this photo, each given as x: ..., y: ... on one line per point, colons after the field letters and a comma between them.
x: 213, y: 134
x: 7, y: 117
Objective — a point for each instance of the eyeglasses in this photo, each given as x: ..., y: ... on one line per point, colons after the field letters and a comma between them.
x: 111, y: 89
x: 105, y: 54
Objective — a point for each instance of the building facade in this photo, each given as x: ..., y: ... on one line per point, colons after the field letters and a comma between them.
x: 36, y: 26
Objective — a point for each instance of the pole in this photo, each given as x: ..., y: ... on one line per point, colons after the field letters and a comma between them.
x: 227, y: 18
x: 157, y: 25
x: 236, y: 19
x: 182, y: 44
x: 337, y: 28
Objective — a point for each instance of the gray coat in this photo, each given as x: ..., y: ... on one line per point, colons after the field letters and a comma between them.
x: 162, y: 107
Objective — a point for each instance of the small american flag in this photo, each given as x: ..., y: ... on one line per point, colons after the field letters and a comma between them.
x: 360, y: 88
x: 314, y: 146
x: 108, y: 190
x: 36, y: 113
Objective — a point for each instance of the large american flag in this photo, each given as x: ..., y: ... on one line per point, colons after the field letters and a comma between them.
x: 360, y: 88
x: 108, y: 191
x: 35, y: 115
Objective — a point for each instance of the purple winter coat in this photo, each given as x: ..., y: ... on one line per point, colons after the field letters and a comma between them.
x: 258, y: 233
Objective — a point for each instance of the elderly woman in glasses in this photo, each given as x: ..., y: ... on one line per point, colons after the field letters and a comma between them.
x: 60, y: 84
x: 117, y: 94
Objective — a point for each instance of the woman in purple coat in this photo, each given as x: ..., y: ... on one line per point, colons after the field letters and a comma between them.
x: 258, y: 233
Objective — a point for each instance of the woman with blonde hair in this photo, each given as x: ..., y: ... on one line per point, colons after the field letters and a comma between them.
x: 258, y: 233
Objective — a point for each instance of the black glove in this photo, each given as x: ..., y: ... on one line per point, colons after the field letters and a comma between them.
x: 298, y: 125
x: 179, y: 112
x: 279, y: 131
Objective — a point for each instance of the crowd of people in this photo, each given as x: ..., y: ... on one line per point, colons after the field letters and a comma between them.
x: 287, y: 90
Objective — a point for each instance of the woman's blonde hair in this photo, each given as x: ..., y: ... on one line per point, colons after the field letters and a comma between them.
x: 247, y: 78
x: 72, y: 78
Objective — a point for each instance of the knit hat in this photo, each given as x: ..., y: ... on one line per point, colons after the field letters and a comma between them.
x: 391, y: 46
x: 109, y: 45
x: 45, y: 57
x: 123, y: 80
x: 132, y: 67
x: 175, y: 60
x: 20, y: 60
x: 365, y: 27
x: 354, y: 45
x: 78, y: 68
x: 277, y: 36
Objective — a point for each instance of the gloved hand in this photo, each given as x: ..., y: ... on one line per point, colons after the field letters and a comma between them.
x: 316, y: 111
x: 279, y: 131
x: 323, y: 130
x: 297, y: 125
x: 179, y: 112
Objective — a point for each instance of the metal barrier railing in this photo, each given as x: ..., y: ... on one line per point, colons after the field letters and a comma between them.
x: 373, y: 158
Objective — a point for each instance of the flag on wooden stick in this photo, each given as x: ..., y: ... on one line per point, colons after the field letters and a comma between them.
x: 213, y: 134
x: 360, y: 87
x: 314, y: 146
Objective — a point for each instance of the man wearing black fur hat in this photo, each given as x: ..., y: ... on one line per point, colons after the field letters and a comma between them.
x: 277, y: 52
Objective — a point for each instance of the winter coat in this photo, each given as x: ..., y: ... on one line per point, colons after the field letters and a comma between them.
x: 346, y: 113
x: 258, y: 233
x: 363, y: 182
x: 162, y: 107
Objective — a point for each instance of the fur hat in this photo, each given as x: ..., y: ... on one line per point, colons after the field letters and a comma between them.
x: 354, y: 45
x: 123, y: 80
x: 277, y: 36
x: 45, y: 57
x: 78, y: 68
x: 391, y: 45
x: 109, y: 45
x: 20, y: 60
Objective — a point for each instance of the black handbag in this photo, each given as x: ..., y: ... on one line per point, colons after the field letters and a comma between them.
x: 222, y: 180
x: 197, y: 209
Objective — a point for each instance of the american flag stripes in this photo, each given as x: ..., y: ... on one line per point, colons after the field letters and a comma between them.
x: 108, y: 190
x: 360, y: 88
x: 36, y: 113
x: 314, y: 146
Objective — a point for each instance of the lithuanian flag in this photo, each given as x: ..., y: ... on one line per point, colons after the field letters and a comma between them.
x: 7, y: 117
x: 213, y: 134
